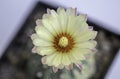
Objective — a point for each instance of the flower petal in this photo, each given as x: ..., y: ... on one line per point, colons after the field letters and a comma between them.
x: 87, y: 44
x: 43, y: 60
x: 52, y: 24
x: 82, y: 17
x: 79, y: 25
x: 46, y: 16
x: 62, y: 18
x: 85, y: 36
x: 34, y: 50
x: 34, y: 36
x: 39, y: 22
x: 71, y: 12
x: 48, y: 11
x: 65, y: 59
x: 78, y: 54
x: 71, y: 24
x: 45, y: 50
x: 50, y: 58
x: 55, y: 69
x: 43, y: 33
x: 71, y: 57
x: 61, y: 66
x: 54, y: 14
x: 69, y: 67
x: 55, y: 24
x: 79, y: 65
x: 39, y: 42
x: 48, y: 26
x: 81, y: 28
x: 57, y: 60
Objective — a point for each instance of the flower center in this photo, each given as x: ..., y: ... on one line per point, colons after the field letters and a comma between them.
x: 63, y: 41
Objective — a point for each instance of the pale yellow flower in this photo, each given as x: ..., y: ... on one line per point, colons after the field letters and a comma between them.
x: 63, y: 38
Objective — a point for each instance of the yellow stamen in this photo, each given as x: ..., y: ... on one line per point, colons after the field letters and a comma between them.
x: 63, y: 41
